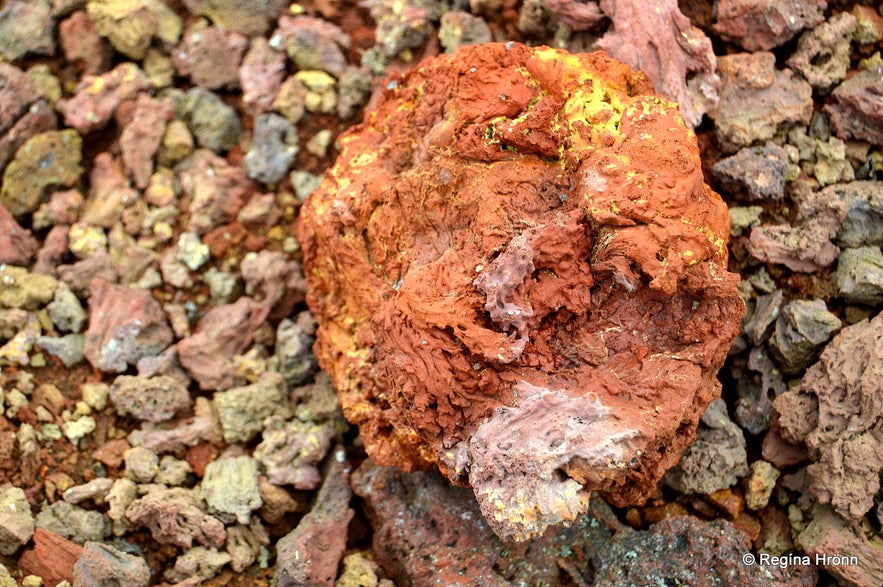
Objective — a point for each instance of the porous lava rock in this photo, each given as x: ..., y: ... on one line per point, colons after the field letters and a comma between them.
x: 520, y: 278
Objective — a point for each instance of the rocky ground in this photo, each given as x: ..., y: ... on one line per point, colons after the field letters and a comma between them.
x: 163, y: 417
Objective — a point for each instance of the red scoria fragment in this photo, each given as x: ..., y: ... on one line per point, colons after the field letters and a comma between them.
x: 520, y: 278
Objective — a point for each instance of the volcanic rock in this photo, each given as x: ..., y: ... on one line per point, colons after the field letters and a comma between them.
x: 519, y: 277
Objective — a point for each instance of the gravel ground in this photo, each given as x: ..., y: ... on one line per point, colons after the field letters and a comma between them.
x: 162, y: 417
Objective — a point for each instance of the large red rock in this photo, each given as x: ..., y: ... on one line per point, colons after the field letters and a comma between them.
x: 520, y: 278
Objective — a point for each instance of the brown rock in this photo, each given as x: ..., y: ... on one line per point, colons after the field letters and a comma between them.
x: 224, y: 332
x: 842, y: 549
x: 26, y: 27
x: 142, y: 136
x: 52, y: 252
x: 822, y: 55
x: 17, y: 244
x: 125, y: 324
x: 513, y: 315
x: 760, y: 25
x: 52, y: 558
x: 855, y: 107
x: 312, y: 43
x: 835, y: 414
x: 82, y: 45
x: 109, y: 192
x: 210, y: 57
x: 311, y: 553
x: 756, y: 98
x: 97, y: 98
x: 111, y: 453
x: 79, y: 276
x: 248, y: 18
x: 659, y: 40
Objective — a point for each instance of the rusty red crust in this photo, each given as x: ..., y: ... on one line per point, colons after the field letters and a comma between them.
x: 520, y: 278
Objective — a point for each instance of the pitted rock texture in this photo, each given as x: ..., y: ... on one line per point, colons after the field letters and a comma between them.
x: 519, y: 278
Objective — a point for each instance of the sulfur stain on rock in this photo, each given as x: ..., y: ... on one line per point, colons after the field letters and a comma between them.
x: 520, y: 278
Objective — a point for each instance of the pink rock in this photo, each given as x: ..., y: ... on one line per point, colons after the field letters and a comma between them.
x: 274, y: 280
x: 177, y: 516
x: 760, y: 25
x: 125, y: 324
x: 210, y: 57
x: 835, y: 415
x: 805, y: 245
x: 52, y: 252
x: 17, y: 244
x: 102, y: 564
x: 26, y: 27
x: 142, y: 136
x: 311, y: 553
x: 215, y: 190
x: 23, y: 112
x: 82, y: 45
x: 580, y: 15
x: 63, y: 207
x: 177, y: 435
x: 261, y: 75
x: 97, y: 98
x: 660, y: 41
x: 79, y: 275
x: 224, y: 332
x: 756, y: 98
x: 855, y: 107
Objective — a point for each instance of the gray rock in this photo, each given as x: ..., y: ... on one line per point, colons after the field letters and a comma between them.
x: 26, y: 27
x: 203, y: 563
x: 801, y: 329
x: 716, y: 460
x: 294, y: 348
x: 822, y: 55
x: 759, y: 326
x: 245, y: 544
x: 460, y: 28
x: 172, y: 472
x: 68, y: 348
x: 742, y: 218
x: 855, y: 107
x: 242, y: 410
x: 96, y: 490
x: 155, y: 399
x: 16, y: 521
x: 102, y: 565
x: 860, y: 275
x: 757, y: 383
x: 863, y: 225
x: 213, y: 124
x: 66, y: 311
x: 291, y: 450
x: 274, y: 146
x: 754, y: 173
x: 142, y: 464
x: 74, y: 523
x: 230, y: 488
x: 311, y: 43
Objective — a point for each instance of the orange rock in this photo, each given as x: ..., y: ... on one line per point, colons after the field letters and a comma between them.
x: 52, y: 558
x: 728, y: 501
x: 520, y: 278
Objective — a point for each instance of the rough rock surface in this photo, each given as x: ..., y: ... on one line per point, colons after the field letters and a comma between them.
x: 716, y: 459
x: 640, y: 35
x: 16, y: 521
x: 754, y: 173
x: 802, y: 327
x: 855, y: 107
x: 103, y: 565
x: 514, y: 332
x: 311, y: 553
x: 427, y: 533
x: 17, y: 244
x: 125, y: 325
x: 44, y: 162
x: 822, y: 55
x: 805, y: 244
x: 756, y: 98
x: 835, y: 414
x: 52, y: 557
x: 98, y: 97
x: 760, y: 25
x: 23, y: 112
x: 828, y: 535
x: 211, y: 57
